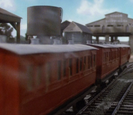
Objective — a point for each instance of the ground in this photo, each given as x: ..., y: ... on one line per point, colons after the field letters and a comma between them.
x: 131, y: 58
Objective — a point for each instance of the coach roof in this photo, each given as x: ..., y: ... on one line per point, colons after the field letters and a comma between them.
x: 22, y: 49
x: 110, y: 45
x: 100, y: 45
x: 122, y: 45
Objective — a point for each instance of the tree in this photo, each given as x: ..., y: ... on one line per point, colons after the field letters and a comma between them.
x: 6, y: 30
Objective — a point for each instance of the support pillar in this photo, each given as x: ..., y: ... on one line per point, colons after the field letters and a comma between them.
x: 106, y: 38
x: 112, y: 40
x: 18, y: 32
x: 116, y: 38
x: 97, y: 39
x: 131, y: 42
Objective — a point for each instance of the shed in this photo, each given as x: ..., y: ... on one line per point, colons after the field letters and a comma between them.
x: 14, y: 20
x: 78, y: 33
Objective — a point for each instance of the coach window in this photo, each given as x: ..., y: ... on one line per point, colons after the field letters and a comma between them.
x: 81, y: 61
x: 48, y: 72
x: 38, y: 75
x: 88, y: 62
x: 59, y: 70
x: 94, y: 60
x: 70, y: 66
x: 104, y: 57
x: 107, y: 56
x: 116, y: 54
x: 112, y: 55
x: 64, y: 68
x: 84, y: 62
x: 30, y: 77
x: 77, y: 65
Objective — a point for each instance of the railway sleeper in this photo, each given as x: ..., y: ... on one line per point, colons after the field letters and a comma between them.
x: 125, y: 112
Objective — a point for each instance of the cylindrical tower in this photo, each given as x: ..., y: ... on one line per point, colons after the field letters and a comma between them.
x: 44, y: 21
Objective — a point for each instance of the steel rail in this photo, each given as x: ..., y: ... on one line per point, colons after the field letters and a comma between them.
x: 122, y: 99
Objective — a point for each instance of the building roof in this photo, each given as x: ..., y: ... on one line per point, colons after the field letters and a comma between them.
x: 24, y: 49
x: 83, y: 28
x: 97, y: 21
x: 76, y: 27
x: 64, y: 25
x: 6, y: 16
x: 115, y: 13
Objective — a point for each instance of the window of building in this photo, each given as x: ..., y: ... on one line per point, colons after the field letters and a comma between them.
x: 109, y: 25
x: 119, y: 25
x: 90, y: 25
x: 96, y: 25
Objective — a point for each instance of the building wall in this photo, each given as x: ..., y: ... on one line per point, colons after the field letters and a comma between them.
x: 77, y: 37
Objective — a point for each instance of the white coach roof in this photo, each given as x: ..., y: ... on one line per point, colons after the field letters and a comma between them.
x: 110, y: 45
x: 100, y: 45
x: 23, y: 49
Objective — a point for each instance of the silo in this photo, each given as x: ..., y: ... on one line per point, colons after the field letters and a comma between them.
x: 44, y: 21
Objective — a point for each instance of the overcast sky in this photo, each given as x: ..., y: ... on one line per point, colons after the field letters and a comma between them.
x: 81, y: 11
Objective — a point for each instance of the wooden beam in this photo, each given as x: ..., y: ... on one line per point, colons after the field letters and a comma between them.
x: 18, y: 32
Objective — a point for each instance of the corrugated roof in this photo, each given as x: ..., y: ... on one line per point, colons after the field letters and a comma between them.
x: 83, y: 28
x: 97, y: 21
x: 115, y: 13
x: 24, y: 49
x: 76, y: 27
x: 6, y: 16
x: 2, y: 11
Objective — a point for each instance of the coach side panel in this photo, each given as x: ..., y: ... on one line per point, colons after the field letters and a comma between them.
x: 9, y: 84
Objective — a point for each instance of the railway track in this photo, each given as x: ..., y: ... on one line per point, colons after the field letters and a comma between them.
x: 99, y: 103
x: 109, y: 100
x: 124, y: 103
x: 115, y: 99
